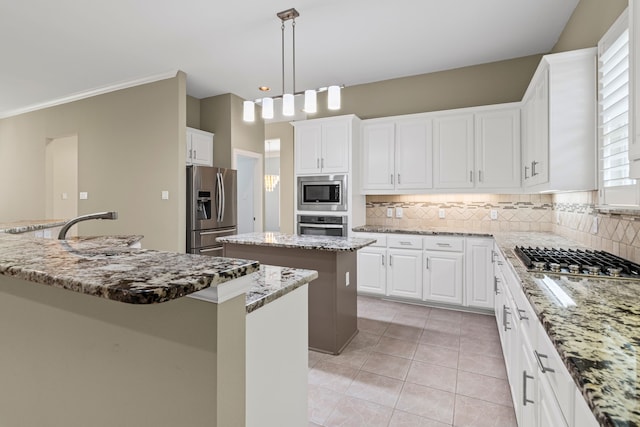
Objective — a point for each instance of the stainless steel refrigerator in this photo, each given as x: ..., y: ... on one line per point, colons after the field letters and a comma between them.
x: 211, y: 208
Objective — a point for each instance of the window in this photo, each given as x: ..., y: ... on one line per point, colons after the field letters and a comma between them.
x: 616, y: 188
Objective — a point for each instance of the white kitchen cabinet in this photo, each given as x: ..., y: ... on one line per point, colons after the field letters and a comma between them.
x: 372, y: 270
x: 527, y: 397
x: 199, y: 147
x: 323, y: 145
x: 497, y: 148
x: 405, y: 273
x: 443, y: 277
x: 397, y: 156
x: 479, y: 149
x: 479, y: 273
x: 559, y: 138
x: 453, y: 158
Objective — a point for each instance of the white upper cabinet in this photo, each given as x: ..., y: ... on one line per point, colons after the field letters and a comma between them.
x: 199, y: 147
x: 397, y: 156
x: 453, y: 151
x: 323, y: 145
x: 497, y: 144
x: 559, y: 137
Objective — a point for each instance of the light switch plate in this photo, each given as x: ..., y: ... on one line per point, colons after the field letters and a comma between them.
x: 389, y: 212
x: 441, y: 214
x: 84, y: 195
x: 165, y: 195
x: 398, y: 212
x: 64, y: 196
x: 494, y: 214
x: 346, y: 278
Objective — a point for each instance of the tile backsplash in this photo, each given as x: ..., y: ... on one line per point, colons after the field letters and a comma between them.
x: 572, y: 215
x: 472, y: 211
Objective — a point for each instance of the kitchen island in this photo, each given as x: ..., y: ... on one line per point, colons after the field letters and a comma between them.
x: 98, y: 333
x: 332, y: 297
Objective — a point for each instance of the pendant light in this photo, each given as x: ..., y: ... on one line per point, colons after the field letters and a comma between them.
x: 288, y: 98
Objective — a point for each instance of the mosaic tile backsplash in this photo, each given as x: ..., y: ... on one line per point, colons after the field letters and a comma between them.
x: 571, y: 215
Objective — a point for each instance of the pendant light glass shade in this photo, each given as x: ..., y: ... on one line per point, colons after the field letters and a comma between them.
x: 288, y: 108
x: 310, y: 101
x: 333, y: 98
x: 248, y: 111
x: 267, y: 108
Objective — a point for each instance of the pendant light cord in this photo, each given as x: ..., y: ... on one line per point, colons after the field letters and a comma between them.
x: 282, y: 57
x: 293, y: 29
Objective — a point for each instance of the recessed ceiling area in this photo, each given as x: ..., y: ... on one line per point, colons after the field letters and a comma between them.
x: 53, y: 50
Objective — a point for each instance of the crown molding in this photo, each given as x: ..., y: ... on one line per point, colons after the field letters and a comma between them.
x: 90, y: 93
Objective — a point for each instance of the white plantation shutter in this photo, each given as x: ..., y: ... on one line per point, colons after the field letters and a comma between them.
x: 616, y: 188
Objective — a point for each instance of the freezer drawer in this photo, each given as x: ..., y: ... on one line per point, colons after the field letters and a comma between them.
x: 203, y: 238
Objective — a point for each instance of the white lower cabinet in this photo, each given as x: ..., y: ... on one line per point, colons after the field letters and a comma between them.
x: 372, y: 270
x: 405, y: 273
x: 443, y: 277
x: 479, y: 272
x: 543, y: 391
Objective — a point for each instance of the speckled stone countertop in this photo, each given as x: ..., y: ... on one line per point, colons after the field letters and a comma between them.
x: 17, y: 227
x: 319, y: 243
x: 598, y: 339
x: 272, y: 282
x: 107, y: 267
x: 421, y: 231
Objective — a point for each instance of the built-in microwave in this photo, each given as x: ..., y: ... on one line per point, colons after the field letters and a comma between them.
x: 322, y: 193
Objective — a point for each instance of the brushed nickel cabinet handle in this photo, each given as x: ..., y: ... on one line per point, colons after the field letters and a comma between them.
x: 426, y: 263
x: 533, y: 168
x: 391, y: 179
x: 398, y: 178
x: 495, y: 285
x: 526, y: 175
x: 525, y: 400
x: 539, y: 357
x: 470, y: 176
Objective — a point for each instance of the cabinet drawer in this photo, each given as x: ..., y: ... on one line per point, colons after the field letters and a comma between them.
x: 449, y: 244
x: 381, y: 239
x: 552, y: 368
x: 404, y: 242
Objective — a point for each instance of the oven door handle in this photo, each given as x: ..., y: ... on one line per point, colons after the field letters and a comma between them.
x: 320, y: 225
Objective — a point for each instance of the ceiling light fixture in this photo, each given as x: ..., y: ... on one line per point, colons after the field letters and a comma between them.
x: 288, y: 99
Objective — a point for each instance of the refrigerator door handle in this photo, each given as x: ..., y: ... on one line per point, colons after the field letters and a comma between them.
x: 224, y: 201
x: 218, y: 197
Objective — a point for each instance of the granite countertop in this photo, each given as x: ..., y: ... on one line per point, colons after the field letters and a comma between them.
x: 432, y: 231
x: 597, y: 339
x: 108, y: 267
x: 17, y: 227
x: 320, y: 243
x: 272, y: 282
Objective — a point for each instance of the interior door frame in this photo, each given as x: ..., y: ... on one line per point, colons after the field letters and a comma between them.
x: 258, y: 176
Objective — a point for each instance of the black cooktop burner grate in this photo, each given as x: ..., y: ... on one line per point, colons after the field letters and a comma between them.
x: 577, y: 261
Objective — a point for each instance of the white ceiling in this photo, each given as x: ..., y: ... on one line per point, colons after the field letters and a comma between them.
x: 52, y: 49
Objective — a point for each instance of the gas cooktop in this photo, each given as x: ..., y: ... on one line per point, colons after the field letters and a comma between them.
x: 577, y: 262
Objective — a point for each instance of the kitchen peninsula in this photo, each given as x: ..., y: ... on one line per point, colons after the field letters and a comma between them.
x: 98, y: 333
x: 332, y: 297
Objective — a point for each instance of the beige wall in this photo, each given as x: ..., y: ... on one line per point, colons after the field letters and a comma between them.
x: 215, y: 117
x: 588, y: 23
x: 284, y: 131
x: 193, y: 112
x: 131, y: 146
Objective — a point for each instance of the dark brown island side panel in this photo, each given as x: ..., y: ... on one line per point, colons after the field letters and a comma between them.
x: 333, y: 309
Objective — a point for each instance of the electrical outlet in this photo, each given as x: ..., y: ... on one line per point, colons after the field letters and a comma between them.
x: 398, y: 212
x: 84, y: 195
x: 346, y: 278
x: 441, y: 214
x: 64, y: 196
x: 389, y: 212
x: 594, y: 225
x: 165, y: 195
x: 494, y: 214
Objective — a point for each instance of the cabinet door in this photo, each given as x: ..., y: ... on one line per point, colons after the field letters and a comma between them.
x: 335, y: 147
x: 189, y: 153
x: 443, y: 277
x: 527, y: 395
x: 378, y: 155
x: 497, y: 148
x: 527, y: 133
x: 453, y: 151
x: 479, y: 273
x: 372, y: 271
x: 405, y: 273
x: 549, y: 412
x: 202, y: 149
x: 414, y: 158
x: 540, y: 131
x: 308, y: 141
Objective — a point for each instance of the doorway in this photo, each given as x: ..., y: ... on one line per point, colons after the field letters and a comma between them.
x: 249, y: 167
x: 61, y: 177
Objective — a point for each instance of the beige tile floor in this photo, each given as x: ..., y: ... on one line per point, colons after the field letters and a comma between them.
x: 413, y: 366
